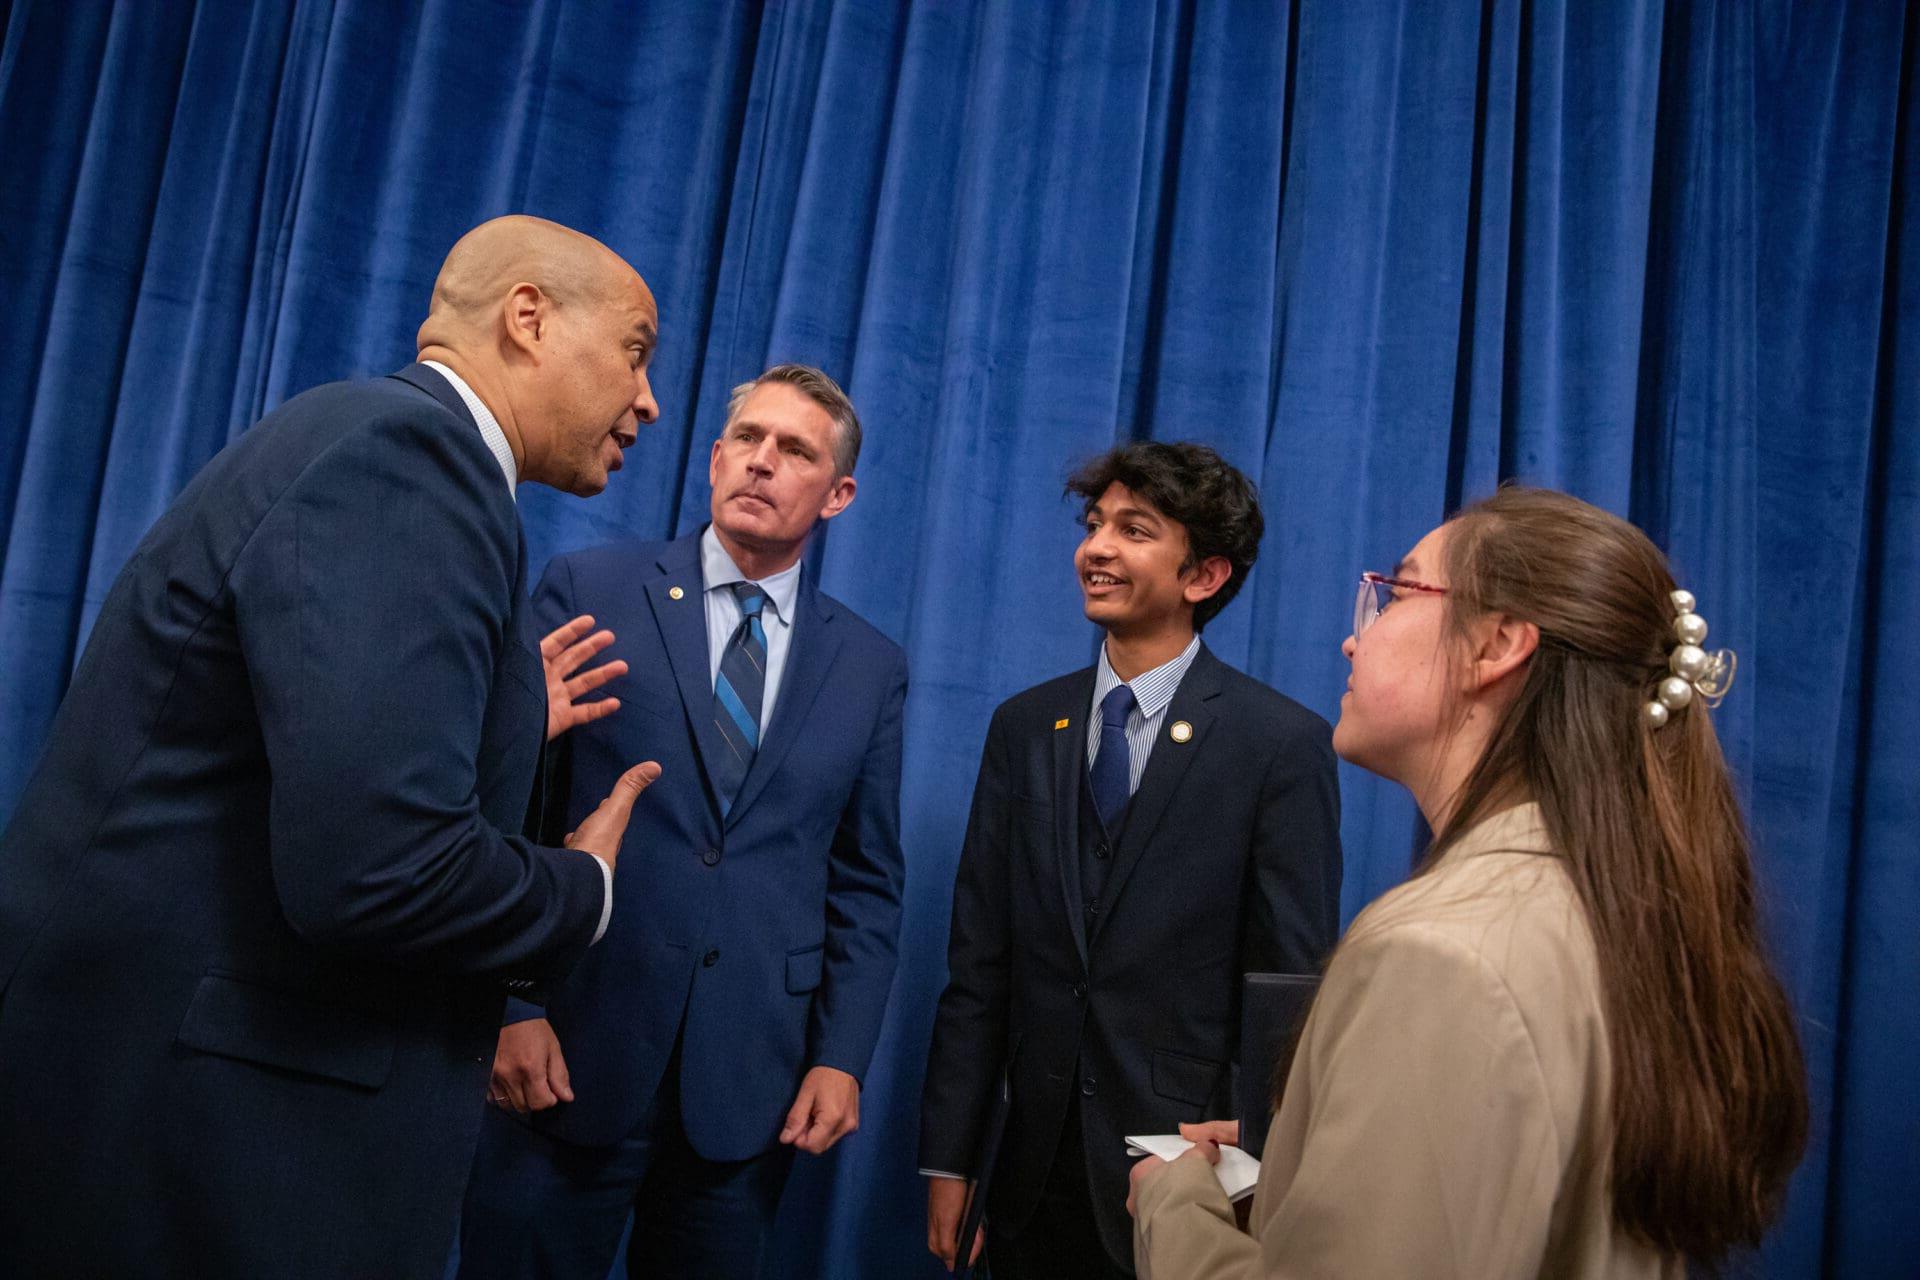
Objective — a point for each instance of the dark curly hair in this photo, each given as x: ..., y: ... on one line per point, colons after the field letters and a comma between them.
x: 1189, y: 483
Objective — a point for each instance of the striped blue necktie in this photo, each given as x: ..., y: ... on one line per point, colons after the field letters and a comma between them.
x: 737, y: 694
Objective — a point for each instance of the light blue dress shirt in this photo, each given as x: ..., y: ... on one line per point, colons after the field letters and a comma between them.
x: 717, y: 572
x: 1152, y: 693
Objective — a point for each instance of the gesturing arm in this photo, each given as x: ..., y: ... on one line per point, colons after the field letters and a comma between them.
x: 374, y: 606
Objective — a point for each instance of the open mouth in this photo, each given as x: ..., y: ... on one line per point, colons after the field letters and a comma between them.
x: 1100, y: 582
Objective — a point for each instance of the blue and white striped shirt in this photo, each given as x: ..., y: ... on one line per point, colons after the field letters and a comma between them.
x: 1152, y: 693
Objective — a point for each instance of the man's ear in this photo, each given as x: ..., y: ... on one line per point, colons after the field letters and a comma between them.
x: 838, y: 498
x: 525, y: 316
x: 1502, y: 646
x: 1208, y: 577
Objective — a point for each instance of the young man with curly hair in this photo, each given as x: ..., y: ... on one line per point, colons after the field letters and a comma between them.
x: 1144, y: 831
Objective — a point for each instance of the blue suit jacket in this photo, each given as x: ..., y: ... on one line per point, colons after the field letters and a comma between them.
x: 771, y: 931
x: 257, y: 901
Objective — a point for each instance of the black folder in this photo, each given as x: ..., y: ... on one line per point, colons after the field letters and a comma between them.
x: 1273, y: 1006
x: 981, y: 1179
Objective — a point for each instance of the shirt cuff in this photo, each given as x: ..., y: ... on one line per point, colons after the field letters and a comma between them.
x: 942, y: 1173
x: 606, y: 899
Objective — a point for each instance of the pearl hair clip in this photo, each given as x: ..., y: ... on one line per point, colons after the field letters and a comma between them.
x: 1695, y: 671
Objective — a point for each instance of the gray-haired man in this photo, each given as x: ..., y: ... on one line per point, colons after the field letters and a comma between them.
x: 729, y: 1014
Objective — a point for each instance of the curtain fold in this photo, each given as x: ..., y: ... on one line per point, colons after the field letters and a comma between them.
x: 1382, y: 256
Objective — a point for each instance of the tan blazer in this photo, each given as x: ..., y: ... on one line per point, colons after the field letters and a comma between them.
x: 1446, y: 1114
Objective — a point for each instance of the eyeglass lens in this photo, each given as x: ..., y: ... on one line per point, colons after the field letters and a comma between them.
x: 1366, y: 607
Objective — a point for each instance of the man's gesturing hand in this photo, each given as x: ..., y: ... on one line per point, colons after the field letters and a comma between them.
x: 529, y: 1074
x: 601, y: 833
x: 826, y: 1110
x: 563, y: 653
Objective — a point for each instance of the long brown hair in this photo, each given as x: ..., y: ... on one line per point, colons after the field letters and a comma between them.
x: 1709, y: 1090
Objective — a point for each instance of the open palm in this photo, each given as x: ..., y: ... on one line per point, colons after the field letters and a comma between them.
x: 563, y: 653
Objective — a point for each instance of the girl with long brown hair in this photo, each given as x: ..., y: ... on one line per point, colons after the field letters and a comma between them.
x: 1557, y: 1050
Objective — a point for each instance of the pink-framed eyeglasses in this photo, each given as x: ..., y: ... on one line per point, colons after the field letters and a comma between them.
x: 1376, y: 593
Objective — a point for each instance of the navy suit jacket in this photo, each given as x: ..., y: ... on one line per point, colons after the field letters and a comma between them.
x: 772, y: 932
x: 258, y: 900
x: 1228, y: 863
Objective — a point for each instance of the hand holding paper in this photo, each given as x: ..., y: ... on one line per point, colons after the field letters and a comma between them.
x: 1237, y: 1171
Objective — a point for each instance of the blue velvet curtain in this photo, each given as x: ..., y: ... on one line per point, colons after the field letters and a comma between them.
x: 1382, y: 255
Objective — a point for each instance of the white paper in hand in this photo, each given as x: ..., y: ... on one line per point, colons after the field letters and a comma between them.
x: 1237, y: 1171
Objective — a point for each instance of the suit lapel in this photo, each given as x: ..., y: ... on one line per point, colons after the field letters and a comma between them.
x: 810, y: 656
x: 1069, y: 763
x: 683, y: 631
x: 521, y: 623
x: 1166, y: 767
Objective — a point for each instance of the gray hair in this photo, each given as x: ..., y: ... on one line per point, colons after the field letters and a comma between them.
x: 823, y: 391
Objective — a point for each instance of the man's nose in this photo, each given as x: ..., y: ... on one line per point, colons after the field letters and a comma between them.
x: 645, y: 407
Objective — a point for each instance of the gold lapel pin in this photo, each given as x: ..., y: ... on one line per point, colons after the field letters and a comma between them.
x: 1059, y: 724
x: 1181, y: 731
x: 675, y: 593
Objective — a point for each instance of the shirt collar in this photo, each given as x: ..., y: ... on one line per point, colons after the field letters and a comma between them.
x: 1152, y: 690
x: 717, y: 569
x: 490, y: 431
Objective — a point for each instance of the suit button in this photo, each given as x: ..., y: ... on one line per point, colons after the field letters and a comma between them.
x: 1101, y: 851
x: 711, y: 857
x: 1079, y: 991
x: 711, y: 958
x: 1086, y: 1087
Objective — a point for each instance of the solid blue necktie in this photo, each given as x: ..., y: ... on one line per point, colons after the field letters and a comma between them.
x: 1112, y: 765
x: 738, y: 692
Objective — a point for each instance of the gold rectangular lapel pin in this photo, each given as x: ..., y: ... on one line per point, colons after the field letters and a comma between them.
x: 1059, y: 724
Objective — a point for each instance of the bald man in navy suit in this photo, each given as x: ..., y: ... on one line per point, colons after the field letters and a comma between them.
x: 260, y: 899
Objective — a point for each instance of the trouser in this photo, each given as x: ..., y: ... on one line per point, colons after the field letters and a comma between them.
x: 541, y: 1209
x: 1061, y: 1241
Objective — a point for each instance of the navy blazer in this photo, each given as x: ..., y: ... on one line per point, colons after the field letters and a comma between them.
x: 1228, y: 863
x: 257, y: 902
x: 772, y: 931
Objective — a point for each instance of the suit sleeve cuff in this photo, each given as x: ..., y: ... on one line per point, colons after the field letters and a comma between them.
x: 606, y: 899
x: 520, y: 1009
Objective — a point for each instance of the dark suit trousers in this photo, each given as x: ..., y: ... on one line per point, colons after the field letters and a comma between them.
x: 1061, y: 1241
x: 541, y: 1209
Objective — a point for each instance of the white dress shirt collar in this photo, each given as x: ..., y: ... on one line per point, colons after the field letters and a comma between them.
x: 490, y: 431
